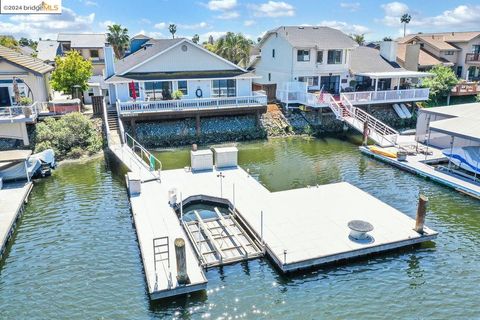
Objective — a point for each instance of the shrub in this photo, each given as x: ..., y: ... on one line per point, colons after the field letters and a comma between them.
x: 477, y: 98
x: 71, y: 136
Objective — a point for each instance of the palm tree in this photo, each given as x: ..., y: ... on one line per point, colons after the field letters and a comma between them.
x: 118, y: 37
x: 196, y: 38
x: 405, y: 19
x: 234, y: 47
x: 359, y: 38
x: 173, y: 29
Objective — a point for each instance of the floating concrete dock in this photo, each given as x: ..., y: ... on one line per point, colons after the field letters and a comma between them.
x: 421, y: 165
x: 298, y: 229
x: 13, y: 197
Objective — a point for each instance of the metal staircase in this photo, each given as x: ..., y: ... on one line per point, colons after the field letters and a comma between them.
x: 382, y: 134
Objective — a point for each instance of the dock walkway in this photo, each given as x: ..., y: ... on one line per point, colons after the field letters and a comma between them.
x: 13, y: 196
x: 419, y: 165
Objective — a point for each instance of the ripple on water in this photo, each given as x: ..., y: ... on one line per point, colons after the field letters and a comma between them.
x: 75, y: 255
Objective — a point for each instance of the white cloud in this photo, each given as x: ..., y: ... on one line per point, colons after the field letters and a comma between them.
x: 151, y: 34
x: 392, y: 13
x: 145, y: 21
x: 248, y: 23
x: 214, y: 34
x: 91, y: 3
x: 47, y: 26
x: 462, y: 17
x: 229, y: 15
x: 352, y: 6
x: 200, y: 25
x: 273, y: 9
x: 345, y: 27
x: 161, y: 25
x: 105, y: 24
x: 221, y: 5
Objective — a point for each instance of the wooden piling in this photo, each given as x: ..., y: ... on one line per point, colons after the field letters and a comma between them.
x: 421, y: 213
x: 182, y: 276
x: 198, y: 125
x: 365, y: 133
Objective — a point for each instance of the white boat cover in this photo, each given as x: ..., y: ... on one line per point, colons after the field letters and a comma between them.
x: 467, y: 158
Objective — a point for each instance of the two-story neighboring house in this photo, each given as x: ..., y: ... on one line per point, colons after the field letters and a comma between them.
x: 91, y: 46
x: 460, y: 50
x: 316, y: 55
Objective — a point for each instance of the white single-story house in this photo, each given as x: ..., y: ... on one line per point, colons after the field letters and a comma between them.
x: 31, y: 75
x: 165, y: 66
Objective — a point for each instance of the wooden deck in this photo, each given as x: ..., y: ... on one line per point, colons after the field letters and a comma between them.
x: 12, y: 199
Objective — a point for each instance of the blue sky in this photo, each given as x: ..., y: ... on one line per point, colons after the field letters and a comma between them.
x: 375, y: 19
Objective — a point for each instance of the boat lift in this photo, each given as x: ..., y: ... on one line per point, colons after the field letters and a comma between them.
x: 221, y: 240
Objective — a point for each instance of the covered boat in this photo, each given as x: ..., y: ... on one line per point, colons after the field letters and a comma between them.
x: 467, y: 158
x: 17, y: 164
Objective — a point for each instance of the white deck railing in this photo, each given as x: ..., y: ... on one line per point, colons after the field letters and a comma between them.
x: 307, y: 98
x: 191, y: 104
x: 21, y: 112
x: 387, y: 96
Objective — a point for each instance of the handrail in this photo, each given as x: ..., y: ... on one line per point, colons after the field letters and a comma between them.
x: 143, y: 152
x: 105, y: 120
x: 190, y: 104
x: 120, y: 123
x: 365, y: 97
x: 13, y: 111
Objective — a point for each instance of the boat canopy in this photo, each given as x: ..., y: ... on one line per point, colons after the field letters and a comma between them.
x: 464, y: 128
x: 14, y: 155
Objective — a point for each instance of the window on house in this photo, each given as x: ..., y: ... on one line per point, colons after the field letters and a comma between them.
x: 449, y: 53
x: 158, y: 90
x: 311, y: 81
x: 320, y: 56
x: 303, y: 55
x: 269, y: 77
x: 334, y: 57
x: 273, y: 53
x: 137, y: 90
x: 476, y: 48
x: 182, y: 86
x: 224, y: 88
x: 94, y: 54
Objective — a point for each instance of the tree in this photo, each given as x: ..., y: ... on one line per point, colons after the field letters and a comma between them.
x: 9, y: 42
x: 118, y: 37
x: 234, y: 47
x: 173, y: 29
x: 405, y: 19
x: 359, y: 38
x: 71, y: 70
x: 196, y: 38
x: 28, y: 43
x: 442, y: 83
x: 387, y: 39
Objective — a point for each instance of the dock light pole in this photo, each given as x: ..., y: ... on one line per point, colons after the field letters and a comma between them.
x: 221, y: 176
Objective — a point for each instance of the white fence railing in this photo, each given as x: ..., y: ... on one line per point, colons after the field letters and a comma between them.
x: 387, y: 96
x: 13, y: 112
x: 307, y: 98
x: 191, y: 104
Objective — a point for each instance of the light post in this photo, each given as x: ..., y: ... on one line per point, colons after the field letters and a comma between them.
x: 221, y: 176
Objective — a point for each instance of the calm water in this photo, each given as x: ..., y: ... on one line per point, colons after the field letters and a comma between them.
x: 75, y: 254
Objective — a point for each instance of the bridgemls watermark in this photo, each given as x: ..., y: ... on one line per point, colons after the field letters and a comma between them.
x: 30, y: 6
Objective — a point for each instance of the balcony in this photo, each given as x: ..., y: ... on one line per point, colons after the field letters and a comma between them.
x: 472, y: 58
x: 13, y: 114
x: 387, y: 96
x: 141, y: 107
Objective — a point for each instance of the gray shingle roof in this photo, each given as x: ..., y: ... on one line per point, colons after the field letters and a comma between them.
x: 154, y: 46
x: 25, y: 61
x: 320, y: 37
x: 83, y: 40
x: 365, y: 59
x: 47, y: 50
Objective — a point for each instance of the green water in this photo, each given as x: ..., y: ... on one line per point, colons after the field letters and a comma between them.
x: 75, y: 254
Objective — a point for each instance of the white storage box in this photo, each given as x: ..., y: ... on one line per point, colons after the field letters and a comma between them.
x: 226, y: 157
x: 201, y: 160
x: 134, y: 183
